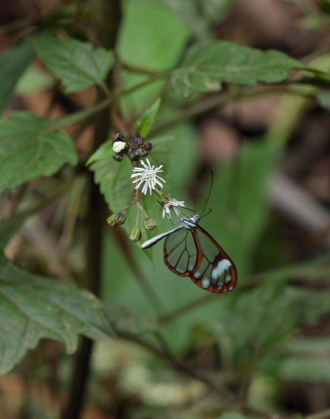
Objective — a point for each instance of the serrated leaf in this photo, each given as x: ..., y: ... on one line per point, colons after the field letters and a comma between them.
x: 76, y: 63
x: 208, y: 64
x: 105, y: 150
x: 144, y: 124
x: 33, y: 307
x: 13, y: 63
x: 29, y: 148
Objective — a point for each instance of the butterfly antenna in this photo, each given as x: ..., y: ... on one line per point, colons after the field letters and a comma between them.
x: 209, y: 194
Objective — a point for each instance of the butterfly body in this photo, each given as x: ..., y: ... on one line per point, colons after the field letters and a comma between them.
x: 190, y: 251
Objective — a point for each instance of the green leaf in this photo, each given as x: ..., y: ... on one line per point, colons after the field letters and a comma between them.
x: 115, y: 182
x: 309, y: 346
x: 76, y: 63
x: 306, y: 370
x: 34, y: 307
x: 13, y: 63
x: 232, y: 415
x: 200, y: 17
x: 34, y: 80
x: 208, y: 64
x: 105, y: 150
x: 28, y: 148
x: 144, y: 124
x: 145, y: 32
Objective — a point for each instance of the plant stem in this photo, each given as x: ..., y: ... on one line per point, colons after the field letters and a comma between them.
x: 110, y: 17
x: 95, y: 227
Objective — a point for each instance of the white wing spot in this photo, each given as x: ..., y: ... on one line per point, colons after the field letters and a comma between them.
x: 220, y: 269
x: 205, y: 282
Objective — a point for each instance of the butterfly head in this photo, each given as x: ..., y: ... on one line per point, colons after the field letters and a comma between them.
x: 190, y: 222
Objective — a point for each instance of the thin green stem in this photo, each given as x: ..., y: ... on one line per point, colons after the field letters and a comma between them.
x: 136, y: 69
x: 67, y: 121
x: 217, y: 101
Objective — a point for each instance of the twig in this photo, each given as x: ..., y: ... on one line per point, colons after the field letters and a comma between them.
x: 229, y: 398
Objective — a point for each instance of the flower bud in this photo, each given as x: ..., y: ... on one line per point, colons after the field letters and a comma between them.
x: 144, y: 153
x: 135, y: 234
x: 118, y: 157
x: 148, y: 146
x: 139, y: 141
x: 118, y: 137
x: 116, y: 219
x: 120, y: 147
x: 134, y: 155
x: 150, y: 224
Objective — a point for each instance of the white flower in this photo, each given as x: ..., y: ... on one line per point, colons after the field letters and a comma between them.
x: 172, y: 204
x: 119, y: 146
x: 148, y: 176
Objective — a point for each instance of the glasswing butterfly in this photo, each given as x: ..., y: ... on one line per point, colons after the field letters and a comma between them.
x: 191, y: 251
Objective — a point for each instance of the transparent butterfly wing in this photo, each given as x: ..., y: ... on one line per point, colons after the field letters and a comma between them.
x: 194, y: 253
x: 216, y: 272
x: 180, y: 252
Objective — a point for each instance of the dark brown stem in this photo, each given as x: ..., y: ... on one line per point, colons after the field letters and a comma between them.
x: 109, y: 24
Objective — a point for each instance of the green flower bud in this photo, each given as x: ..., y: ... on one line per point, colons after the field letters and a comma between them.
x: 150, y: 224
x: 116, y: 219
x: 135, y: 234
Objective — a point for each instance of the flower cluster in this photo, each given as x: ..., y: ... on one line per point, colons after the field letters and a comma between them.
x: 148, y: 177
x: 146, y: 180
x: 135, y: 147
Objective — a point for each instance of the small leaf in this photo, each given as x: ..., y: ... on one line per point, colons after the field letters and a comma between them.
x: 208, y: 64
x: 28, y: 148
x: 144, y: 124
x: 13, y: 63
x: 105, y: 150
x: 33, y: 308
x: 76, y: 63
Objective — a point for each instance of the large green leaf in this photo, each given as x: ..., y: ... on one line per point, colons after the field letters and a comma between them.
x: 147, y: 30
x: 201, y: 18
x: 33, y: 307
x: 76, y: 63
x: 208, y: 64
x: 13, y: 63
x: 29, y: 148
